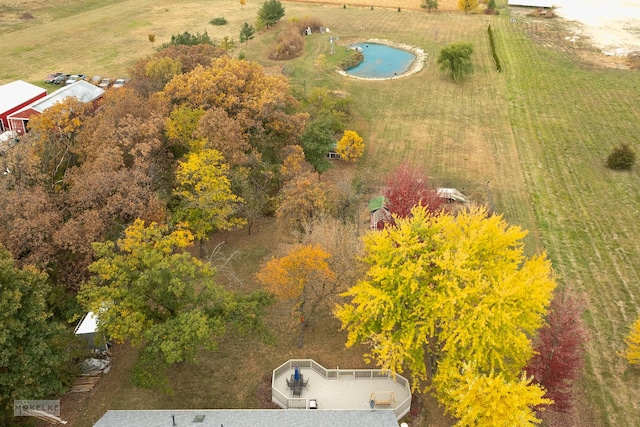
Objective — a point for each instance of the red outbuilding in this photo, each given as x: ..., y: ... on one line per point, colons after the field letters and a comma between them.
x: 83, y: 91
x: 14, y: 96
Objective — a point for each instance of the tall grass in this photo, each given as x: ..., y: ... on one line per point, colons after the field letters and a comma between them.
x: 566, y: 118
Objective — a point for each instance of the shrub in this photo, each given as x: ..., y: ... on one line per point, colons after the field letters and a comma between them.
x: 352, y: 60
x: 302, y: 24
x: 218, y: 21
x: 492, y: 42
x: 289, y: 45
x: 622, y: 157
x: 188, y: 39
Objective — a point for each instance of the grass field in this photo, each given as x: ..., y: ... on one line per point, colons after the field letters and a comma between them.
x: 535, y: 136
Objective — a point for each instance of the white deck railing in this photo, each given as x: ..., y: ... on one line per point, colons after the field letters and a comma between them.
x: 336, y: 374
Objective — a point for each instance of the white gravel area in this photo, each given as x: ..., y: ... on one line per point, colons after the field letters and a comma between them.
x: 612, y: 26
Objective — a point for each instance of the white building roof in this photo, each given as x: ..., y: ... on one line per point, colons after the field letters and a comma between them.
x: 83, y: 91
x: 88, y: 324
x: 16, y: 93
x: 531, y: 3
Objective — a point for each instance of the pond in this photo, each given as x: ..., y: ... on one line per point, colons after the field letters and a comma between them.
x: 381, y: 61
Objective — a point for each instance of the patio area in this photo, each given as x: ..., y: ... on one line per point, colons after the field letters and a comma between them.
x: 358, y: 389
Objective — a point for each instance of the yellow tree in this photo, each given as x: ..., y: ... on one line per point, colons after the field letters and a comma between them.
x: 204, y: 190
x: 632, y: 353
x: 163, y: 69
x: 443, y: 290
x: 351, y: 146
x: 467, y: 5
x: 304, y: 276
x: 492, y: 400
x: 180, y: 128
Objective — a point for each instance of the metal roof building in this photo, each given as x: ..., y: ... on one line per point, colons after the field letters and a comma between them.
x: 83, y: 91
x: 14, y: 96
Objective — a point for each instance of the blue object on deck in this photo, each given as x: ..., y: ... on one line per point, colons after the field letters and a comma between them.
x: 296, y: 374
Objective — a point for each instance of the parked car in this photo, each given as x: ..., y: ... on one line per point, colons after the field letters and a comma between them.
x: 74, y: 78
x: 51, y: 76
x: 119, y: 83
x: 58, y: 80
x: 105, y: 83
x: 96, y: 80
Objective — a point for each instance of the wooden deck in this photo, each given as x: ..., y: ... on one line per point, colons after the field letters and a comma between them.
x: 341, y: 388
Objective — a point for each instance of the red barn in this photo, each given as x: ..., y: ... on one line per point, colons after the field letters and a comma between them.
x: 14, y: 96
x: 83, y: 91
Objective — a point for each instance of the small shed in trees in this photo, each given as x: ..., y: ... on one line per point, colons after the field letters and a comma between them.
x: 333, y: 152
x: 451, y: 195
x: 14, y: 96
x: 378, y: 213
x: 88, y: 329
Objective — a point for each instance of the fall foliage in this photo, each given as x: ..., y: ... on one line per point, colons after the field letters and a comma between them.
x: 303, y: 276
x: 443, y: 291
x: 302, y: 197
x: 351, y: 146
x: 206, y: 200
x: 632, y: 341
x: 407, y: 187
x: 559, y: 350
x: 258, y: 102
x: 492, y: 400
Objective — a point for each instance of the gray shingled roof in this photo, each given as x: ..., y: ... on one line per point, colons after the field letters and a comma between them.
x: 250, y: 418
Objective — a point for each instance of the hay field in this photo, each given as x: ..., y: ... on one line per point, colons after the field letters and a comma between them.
x: 535, y: 136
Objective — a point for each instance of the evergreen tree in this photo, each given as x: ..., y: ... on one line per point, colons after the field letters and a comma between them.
x: 246, y: 32
x: 270, y: 13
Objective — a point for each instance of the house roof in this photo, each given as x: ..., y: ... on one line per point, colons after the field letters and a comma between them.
x: 250, y: 418
x: 15, y: 93
x: 531, y: 3
x: 377, y: 203
x: 83, y: 91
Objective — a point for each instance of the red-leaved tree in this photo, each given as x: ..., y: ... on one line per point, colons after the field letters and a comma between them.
x: 560, y: 350
x: 408, y: 186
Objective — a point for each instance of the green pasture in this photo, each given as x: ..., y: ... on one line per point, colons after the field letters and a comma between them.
x: 533, y: 139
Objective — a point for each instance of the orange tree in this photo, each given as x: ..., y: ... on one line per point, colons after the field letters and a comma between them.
x: 304, y: 276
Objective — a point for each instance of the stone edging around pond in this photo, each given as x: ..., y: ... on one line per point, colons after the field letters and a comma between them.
x: 415, y: 66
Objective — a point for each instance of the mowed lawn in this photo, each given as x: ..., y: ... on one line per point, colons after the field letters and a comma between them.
x: 532, y: 138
